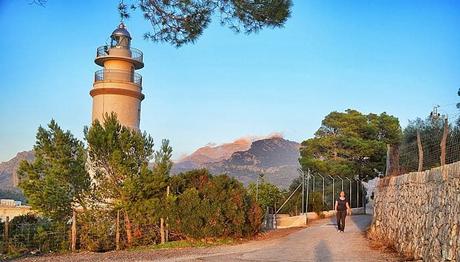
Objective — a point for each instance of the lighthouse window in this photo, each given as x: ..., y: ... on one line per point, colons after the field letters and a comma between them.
x: 120, y: 41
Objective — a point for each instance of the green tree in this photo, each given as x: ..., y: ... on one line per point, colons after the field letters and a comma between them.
x: 180, y: 22
x: 350, y: 144
x: 269, y: 195
x: 151, y: 202
x: 56, y: 181
x: 118, y: 158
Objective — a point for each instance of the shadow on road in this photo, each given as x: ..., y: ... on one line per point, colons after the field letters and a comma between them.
x: 361, y: 221
x: 322, y: 252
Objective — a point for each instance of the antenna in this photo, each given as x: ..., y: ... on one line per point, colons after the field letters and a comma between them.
x: 434, y: 115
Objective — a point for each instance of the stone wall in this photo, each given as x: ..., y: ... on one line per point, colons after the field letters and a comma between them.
x: 419, y: 213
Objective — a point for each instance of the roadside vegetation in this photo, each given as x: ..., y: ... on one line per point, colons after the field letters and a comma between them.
x: 119, y: 201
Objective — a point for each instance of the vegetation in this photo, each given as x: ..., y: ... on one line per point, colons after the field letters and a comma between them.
x: 56, y: 181
x: 181, y: 22
x: 212, y: 206
x: 119, y: 158
x: 121, y: 197
x: 350, y: 144
x: 267, y: 195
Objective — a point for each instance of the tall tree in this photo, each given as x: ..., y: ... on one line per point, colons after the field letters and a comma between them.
x: 350, y: 144
x: 179, y: 22
x: 118, y: 157
x: 57, y: 180
x: 266, y: 194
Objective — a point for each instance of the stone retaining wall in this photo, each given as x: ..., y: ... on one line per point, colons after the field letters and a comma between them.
x: 419, y: 213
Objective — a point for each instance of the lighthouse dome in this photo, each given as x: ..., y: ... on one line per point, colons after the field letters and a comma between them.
x: 121, y: 32
x: 120, y: 37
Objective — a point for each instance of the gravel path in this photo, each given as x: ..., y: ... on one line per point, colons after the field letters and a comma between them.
x: 319, y: 242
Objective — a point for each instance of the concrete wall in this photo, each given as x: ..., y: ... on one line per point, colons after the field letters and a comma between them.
x: 11, y: 212
x: 286, y: 221
x: 419, y: 213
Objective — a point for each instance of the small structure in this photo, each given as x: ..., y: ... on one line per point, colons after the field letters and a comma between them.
x: 117, y: 87
x: 11, y: 208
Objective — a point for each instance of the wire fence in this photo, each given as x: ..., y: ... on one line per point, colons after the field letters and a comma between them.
x: 32, y: 237
x: 427, y: 151
x: 38, y: 236
x: 317, y: 193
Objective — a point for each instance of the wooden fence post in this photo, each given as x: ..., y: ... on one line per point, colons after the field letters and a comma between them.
x: 162, y: 230
x: 444, y: 142
x: 167, y: 224
x: 74, y: 231
x: 392, y: 160
x: 117, y: 232
x: 420, y: 152
x: 388, y: 162
x: 6, y: 237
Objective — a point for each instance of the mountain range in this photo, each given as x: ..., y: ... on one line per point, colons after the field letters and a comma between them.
x: 245, y: 159
x: 8, y: 177
x: 274, y: 157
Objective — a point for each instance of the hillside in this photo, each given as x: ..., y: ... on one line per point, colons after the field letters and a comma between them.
x: 276, y: 158
x: 8, y: 177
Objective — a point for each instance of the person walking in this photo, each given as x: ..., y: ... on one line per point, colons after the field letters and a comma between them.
x: 341, y: 209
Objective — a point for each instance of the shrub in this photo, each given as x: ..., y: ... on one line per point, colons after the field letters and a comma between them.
x: 316, y: 203
x: 97, y: 230
x: 212, y: 206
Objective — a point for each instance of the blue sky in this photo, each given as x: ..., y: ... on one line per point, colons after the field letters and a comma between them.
x: 401, y: 57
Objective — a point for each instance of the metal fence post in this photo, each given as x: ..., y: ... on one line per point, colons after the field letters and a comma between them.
x: 357, y: 193
x: 308, y: 186
x: 342, y: 181
x: 303, y: 190
x: 333, y: 192
x: 349, y: 184
x: 322, y: 177
x: 364, y: 197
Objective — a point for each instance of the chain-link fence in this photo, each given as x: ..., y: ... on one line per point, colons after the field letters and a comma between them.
x: 318, y: 193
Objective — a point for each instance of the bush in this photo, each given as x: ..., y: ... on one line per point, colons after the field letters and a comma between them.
x: 212, y: 206
x: 316, y: 203
x: 97, y: 230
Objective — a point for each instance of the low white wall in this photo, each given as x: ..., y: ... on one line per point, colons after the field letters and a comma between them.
x: 286, y: 221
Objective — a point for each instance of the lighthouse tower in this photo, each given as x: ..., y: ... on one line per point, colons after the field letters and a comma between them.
x: 117, y: 87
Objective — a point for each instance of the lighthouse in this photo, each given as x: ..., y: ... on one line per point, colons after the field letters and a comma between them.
x: 117, y: 86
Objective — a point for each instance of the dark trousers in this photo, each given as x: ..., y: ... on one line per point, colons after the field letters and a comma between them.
x: 341, y: 219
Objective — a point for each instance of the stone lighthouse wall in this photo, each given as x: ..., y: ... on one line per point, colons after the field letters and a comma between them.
x: 419, y: 213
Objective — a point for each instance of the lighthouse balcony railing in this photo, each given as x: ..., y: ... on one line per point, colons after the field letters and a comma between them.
x: 115, y: 75
x: 136, y: 54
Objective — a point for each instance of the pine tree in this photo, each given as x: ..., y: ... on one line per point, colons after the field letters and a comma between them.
x: 56, y: 181
x: 118, y: 158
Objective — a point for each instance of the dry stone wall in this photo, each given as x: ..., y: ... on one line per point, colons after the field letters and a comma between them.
x: 419, y: 213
